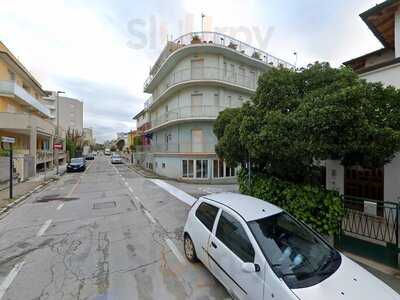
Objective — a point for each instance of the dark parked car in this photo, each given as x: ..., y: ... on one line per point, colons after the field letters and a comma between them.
x: 89, y: 157
x: 76, y: 165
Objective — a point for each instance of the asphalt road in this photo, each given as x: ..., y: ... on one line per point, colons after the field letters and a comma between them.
x: 104, y: 234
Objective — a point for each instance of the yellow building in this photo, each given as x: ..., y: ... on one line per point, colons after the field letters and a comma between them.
x: 24, y: 116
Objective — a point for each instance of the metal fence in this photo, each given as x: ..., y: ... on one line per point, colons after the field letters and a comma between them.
x: 371, y: 219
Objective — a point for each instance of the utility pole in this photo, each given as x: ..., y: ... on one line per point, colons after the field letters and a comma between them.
x: 11, y: 170
x: 58, y: 128
x: 202, y: 21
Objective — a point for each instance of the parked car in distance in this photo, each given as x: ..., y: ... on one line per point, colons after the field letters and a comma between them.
x: 76, y: 165
x: 89, y: 156
x: 107, y: 152
x: 116, y: 159
x: 258, y: 251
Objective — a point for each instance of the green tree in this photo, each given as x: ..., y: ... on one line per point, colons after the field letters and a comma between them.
x: 299, y: 117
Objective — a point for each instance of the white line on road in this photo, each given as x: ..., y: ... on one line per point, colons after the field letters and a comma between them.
x: 149, y: 216
x: 130, y: 189
x: 43, y: 228
x: 137, y: 198
x: 60, y: 206
x: 181, y: 195
x: 126, y: 183
x: 175, y: 250
x: 9, y: 279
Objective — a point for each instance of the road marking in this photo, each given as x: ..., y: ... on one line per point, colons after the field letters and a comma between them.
x: 137, y: 198
x: 181, y: 195
x: 78, y: 182
x: 9, y: 279
x: 149, y: 216
x: 126, y: 183
x: 60, y: 206
x: 130, y: 189
x: 43, y: 228
x: 175, y: 250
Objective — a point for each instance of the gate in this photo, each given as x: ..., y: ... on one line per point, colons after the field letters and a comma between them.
x: 370, y: 228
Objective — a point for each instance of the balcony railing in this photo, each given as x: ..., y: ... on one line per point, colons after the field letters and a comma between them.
x: 215, y: 38
x: 187, y: 112
x: 44, y: 155
x: 178, y: 148
x: 12, y: 88
x: 203, y: 73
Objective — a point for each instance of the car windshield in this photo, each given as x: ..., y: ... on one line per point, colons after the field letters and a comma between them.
x: 76, y: 160
x: 116, y: 156
x: 295, y: 253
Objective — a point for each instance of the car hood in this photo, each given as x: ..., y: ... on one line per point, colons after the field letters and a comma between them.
x: 349, y: 282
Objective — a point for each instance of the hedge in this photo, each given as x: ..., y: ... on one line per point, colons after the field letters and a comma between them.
x: 319, y: 208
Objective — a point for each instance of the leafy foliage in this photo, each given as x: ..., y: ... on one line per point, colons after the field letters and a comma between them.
x: 299, y: 117
x: 317, y: 207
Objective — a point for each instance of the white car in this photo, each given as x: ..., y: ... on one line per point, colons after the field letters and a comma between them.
x: 258, y: 251
x: 116, y: 159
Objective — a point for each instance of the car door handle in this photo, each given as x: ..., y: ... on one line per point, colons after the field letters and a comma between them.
x: 214, y: 245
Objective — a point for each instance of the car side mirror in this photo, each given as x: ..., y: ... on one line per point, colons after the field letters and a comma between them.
x: 250, y: 267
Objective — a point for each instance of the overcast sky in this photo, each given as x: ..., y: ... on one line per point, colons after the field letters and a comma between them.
x: 100, y: 51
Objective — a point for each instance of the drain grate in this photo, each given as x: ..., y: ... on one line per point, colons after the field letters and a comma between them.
x: 55, y: 197
x: 102, y: 205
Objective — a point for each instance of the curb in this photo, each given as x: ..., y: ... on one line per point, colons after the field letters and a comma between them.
x: 23, y: 197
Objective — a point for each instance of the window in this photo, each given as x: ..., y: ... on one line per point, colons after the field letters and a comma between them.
x: 206, y: 213
x: 216, y: 100
x: 205, y: 169
x: 229, y: 172
x: 184, y: 168
x: 231, y: 233
x: 163, y: 165
x: 198, y: 168
x: 225, y: 69
x: 11, y: 74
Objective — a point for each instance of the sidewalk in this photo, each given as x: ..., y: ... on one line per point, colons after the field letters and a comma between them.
x: 22, y: 188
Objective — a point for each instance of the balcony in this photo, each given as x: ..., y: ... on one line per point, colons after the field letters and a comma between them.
x: 25, y: 121
x: 195, y: 148
x: 188, y: 113
x: 209, y: 74
x: 44, y: 156
x: 219, y: 40
x: 11, y: 88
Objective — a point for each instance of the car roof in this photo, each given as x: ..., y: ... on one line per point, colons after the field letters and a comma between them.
x: 248, y: 207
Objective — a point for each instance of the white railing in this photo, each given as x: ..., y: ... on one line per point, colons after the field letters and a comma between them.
x: 220, y: 39
x: 178, y: 148
x: 204, y: 73
x: 12, y: 88
x: 186, y: 112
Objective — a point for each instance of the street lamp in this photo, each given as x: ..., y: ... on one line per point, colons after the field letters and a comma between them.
x: 58, y: 126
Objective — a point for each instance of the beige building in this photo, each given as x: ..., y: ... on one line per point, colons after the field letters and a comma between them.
x: 24, y: 116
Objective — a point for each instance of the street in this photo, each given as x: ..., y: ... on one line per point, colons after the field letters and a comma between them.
x: 107, y: 233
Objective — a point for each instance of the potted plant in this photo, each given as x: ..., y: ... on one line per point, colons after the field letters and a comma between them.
x: 256, y: 55
x: 232, y: 45
x: 195, y: 39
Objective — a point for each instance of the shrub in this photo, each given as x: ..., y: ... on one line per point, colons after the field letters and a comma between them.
x: 319, y: 208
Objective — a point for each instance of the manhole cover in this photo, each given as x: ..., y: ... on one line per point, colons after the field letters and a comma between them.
x: 101, y: 205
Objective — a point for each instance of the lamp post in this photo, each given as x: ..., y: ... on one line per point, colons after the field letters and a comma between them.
x: 58, y: 127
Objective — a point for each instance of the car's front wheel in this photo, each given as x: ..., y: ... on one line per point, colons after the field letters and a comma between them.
x: 190, y: 252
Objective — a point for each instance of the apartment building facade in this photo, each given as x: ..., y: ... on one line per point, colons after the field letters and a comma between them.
x: 24, y: 116
x: 379, y: 66
x: 71, y: 111
x: 195, y: 78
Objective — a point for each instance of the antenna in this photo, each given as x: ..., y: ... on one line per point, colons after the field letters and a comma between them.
x: 202, y: 21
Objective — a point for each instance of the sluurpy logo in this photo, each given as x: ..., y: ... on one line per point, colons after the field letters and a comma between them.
x: 152, y: 33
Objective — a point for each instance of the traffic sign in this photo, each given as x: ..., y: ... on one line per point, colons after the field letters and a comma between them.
x: 58, y: 146
x: 9, y: 140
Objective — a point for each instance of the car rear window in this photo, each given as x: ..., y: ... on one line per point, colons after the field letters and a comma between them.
x: 206, y: 213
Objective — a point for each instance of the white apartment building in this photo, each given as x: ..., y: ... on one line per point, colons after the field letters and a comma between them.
x: 71, y: 111
x: 195, y: 77
x: 379, y: 66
